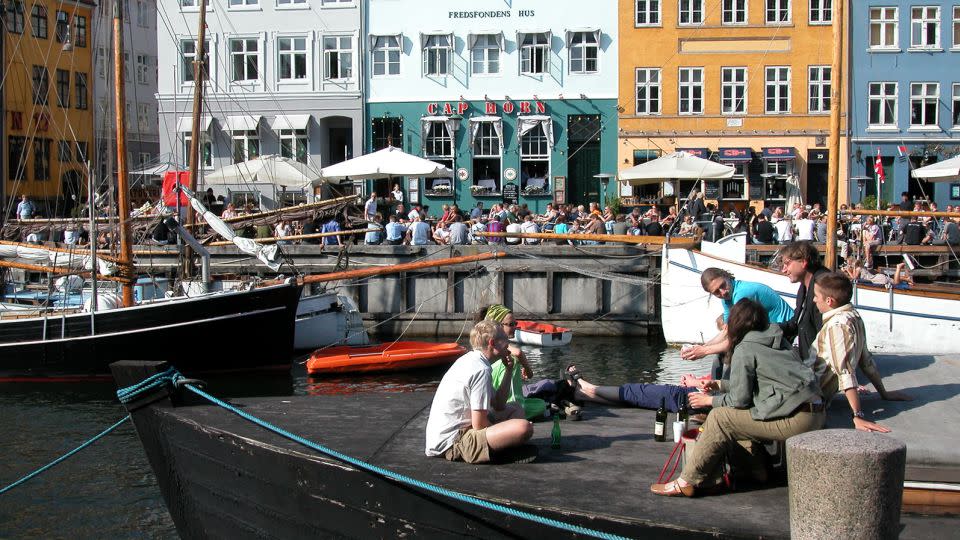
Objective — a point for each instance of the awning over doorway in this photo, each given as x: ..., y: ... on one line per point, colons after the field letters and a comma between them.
x: 185, y: 123
x: 727, y: 155
x: 702, y: 153
x: 779, y: 153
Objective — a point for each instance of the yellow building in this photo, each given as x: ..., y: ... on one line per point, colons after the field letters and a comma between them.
x: 48, y: 114
x: 745, y: 82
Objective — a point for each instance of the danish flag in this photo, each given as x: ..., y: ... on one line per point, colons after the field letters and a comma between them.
x: 878, y: 168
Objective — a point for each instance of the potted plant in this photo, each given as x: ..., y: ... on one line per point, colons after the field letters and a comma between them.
x: 534, y: 190
x: 477, y: 189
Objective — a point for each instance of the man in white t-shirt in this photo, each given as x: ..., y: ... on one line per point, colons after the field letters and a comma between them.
x: 805, y: 227
x: 370, y: 208
x: 468, y: 420
x: 513, y: 227
x: 784, y: 229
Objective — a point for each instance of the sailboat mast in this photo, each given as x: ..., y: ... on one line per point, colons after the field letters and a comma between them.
x: 836, y: 101
x: 199, y: 76
x: 125, y: 260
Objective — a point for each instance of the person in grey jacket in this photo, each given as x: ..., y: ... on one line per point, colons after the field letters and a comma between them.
x: 771, y: 396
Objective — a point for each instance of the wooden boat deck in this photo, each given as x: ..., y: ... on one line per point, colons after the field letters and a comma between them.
x: 607, y: 461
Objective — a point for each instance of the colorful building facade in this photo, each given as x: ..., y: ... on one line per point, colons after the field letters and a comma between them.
x: 518, y: 99
x: 48, y: 114
x: 743, y: 83
x: 905, y: 96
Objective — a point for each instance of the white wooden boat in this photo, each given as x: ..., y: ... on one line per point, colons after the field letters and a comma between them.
x: 326, y: 319
x: 898, y: 321
x: 541, y: 334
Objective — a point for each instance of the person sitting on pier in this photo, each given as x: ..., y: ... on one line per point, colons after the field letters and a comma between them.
x: 520, y: 370
x: 395, y: 231
x: 841, y: 345
x: 529, y: 226
x: 469, y: 421
x: 771, y: 396
x: 419, y: 233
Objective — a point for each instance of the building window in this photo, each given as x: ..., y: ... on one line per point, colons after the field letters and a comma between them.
x: 15, y: 17
x: 239, y: 4
x: 64, y: 152
x: 485, y: 54
x: 584, y: 51
x: 486, y: 156
x: 338, y: 57
x: 291, y: 2
x: 534, y: 159
x: 924, y: 98
x: 386, y: 132
x: 80, y: 24
x: 535, y: 54
x: 143, y: 117
x: 691, y: 91
x: 17, y: 158
x: 336, y: 2
x: 733, y: 91
x: 38, y: 21
x: 190, y: 4
x: 206, y: 150
x: 776, y: 184
x: 246, y: 145
x: 883, y: 104
x: 956, y: 105
x: 648, y: 91
x: 143, y: 14
x: 821, y: 11
x: 438, y: 147
x: 777, y: 90
x: 925, y: 27
x: 293, y: 58
x: 143, y: 68
x: 293, y: 144
x: 188, y: 53
x: 778, y: 11
x: 100, y: 61
x: 883, y: 28
x: 41, y: 85
x: 63, y: 26
x: 437, y: 52
x: 691, y: 12
x: 41, y: 159
x: 648, y: 13
x: 143, y: 158
x: 63, y: 88
x: 386, y: 55
x: 734, y: 12
x: 819, y: 89
x: 956, y: 27
x: 244, y: 60
x: 80, y: 89
x: 82, y: 152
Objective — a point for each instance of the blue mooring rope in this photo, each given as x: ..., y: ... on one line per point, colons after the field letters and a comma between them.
x: 53, y: 463
x: 172, y: 376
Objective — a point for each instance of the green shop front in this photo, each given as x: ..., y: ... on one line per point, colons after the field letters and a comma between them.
x: 529, y: 151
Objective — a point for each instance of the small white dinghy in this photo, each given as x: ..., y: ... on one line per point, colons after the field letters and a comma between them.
x: 541, y: 334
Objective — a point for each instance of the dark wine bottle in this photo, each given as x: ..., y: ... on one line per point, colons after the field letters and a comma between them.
x: 659, y: 428
x: 683, y: 412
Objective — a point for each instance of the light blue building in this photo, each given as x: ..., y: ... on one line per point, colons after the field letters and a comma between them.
x: 904, y: 82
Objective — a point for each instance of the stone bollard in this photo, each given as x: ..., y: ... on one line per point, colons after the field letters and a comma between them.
x: 845, y: 483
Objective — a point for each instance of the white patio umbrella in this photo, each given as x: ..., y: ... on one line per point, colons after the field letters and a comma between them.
x: 156, y: 170
x: 383, y: 164
x: 677, y: 165
x: 272, y: 169
x: 943, y: 171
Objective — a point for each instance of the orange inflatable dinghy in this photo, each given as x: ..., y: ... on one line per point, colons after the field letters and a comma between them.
x: 398, y: 356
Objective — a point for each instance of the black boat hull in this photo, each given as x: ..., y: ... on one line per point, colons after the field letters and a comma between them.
x: 222, y: 332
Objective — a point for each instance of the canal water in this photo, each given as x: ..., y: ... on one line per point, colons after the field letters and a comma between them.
x: 108, y: 489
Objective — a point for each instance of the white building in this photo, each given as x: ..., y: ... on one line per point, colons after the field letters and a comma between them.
x: 284, y: 78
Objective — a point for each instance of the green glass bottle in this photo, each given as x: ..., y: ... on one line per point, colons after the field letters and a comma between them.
x: 555, y: 433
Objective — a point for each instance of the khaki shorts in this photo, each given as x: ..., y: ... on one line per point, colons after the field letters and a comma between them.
x: 470, y: 446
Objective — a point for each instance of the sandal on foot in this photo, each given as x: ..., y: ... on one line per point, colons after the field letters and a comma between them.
x: 672, y: 489
x: 572, y: 410
x: 571, y: 375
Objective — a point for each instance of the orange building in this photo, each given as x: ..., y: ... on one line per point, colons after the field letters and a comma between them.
x: 48, y: 114
x: 743, y: 82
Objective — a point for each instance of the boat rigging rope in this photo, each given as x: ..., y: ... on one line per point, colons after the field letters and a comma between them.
x: 171, y: 376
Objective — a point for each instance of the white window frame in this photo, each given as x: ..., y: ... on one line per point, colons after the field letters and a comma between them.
x: 293, y: 53
x: 645, y: 82
x: 879, y: 92
x: 772, y: 15
x: 435, y: 50
x: 143, y: 14
x: 339, y: 53
x: 919, y: 27
x: 101, y: 61
x: 143, y: 117
x: 246, y: 54
x: 780, y: 89
x: 186, y: 60
x: 529, y: 52
x: 143, y: 69
x: 488, y: 47
x: 926, y: 98
x: 539, y: 140
x: 820, y: 13
x: 955, y: 26
x: 737, y: 10
x: 819, y: 83
x: 336, y: 3
x: 381, y: 51
x: 436, y: 135
x: 583, y: 48
x: 206, y: 149
x: 292, y: 137
x: 488, y: 137
x: 243, y: 5
x: 650, y: 10
x: 955, y: 108
x: 246, y: 138
x: 689, y: 82
x: 882, y: 18
x: 734, y: 79
x: 292, y: 4
x: 690, y: 12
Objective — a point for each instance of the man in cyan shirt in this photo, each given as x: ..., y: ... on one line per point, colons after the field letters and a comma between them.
x: 395, y: 231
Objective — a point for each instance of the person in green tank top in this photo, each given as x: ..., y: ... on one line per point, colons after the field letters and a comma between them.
x: 532, y: 407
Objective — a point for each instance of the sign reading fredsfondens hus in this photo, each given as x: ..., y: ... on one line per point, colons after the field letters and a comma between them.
x: 492, y: 14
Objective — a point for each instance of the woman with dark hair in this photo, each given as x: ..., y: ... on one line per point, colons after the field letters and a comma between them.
x: 771, y: 396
